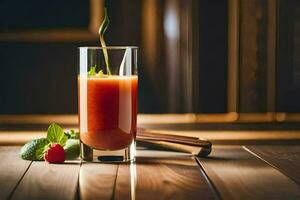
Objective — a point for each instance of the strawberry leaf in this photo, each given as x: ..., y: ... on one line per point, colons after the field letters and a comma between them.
x: 56, y: 134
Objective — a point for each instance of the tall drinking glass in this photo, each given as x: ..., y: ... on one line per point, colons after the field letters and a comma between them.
x: 107, y: 102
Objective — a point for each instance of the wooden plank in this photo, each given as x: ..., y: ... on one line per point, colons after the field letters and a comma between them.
x: 284, y: 158
x: 73, y: 119
x: 38, y: 119
x: 271, y: 55
x: 233, y: 58
x: 237, y: 174
x: 96, y: 181
x: 288, y: 117
x: 253, y: 49
x: 10, y: 138
x: 234, y: 136
x: 166, y: 118
x: 161, y: 175
x: 49, y: 181
x: 257, y: 117
x: 126, y: 182
x: 153, y: 119
x: 70, y: 35
x: 217, y: 118
x: 12, y: 169
x: 241, y: 137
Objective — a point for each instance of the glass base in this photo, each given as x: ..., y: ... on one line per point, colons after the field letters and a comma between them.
x: 118, y: 156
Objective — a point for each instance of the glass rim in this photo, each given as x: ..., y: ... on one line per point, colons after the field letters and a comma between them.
x: 109, y: 47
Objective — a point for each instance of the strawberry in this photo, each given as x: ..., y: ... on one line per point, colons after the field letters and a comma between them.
x: 55, y: 154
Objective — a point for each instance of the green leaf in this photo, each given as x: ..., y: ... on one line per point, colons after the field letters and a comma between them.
x: 72, y: 134
x: 40, y: 152
x: 100, y: 73
x: 56, y: 134
x: 102, y: 30
x: 68, y: 134
x: 92, y: 71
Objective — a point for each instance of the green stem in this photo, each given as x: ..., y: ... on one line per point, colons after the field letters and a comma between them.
x: 106, y: 58
x: 102, y: 30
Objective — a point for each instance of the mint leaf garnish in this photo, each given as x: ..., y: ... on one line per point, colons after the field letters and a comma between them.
x: 92, y: 71
x: 100, y: 73
x: 72, y: 134
x: 56, y: 134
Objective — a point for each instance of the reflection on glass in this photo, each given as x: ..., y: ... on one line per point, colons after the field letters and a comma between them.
x: 133, y: 180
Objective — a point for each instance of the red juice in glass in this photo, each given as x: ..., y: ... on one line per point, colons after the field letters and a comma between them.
x: 107, y: 111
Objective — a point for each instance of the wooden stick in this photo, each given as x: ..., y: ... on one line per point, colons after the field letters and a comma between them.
x: 193, y: 145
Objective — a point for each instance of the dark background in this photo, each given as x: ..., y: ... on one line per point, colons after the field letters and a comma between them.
x: 39, y: 76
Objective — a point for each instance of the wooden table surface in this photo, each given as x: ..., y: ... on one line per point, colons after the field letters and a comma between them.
x: 248, y: 171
